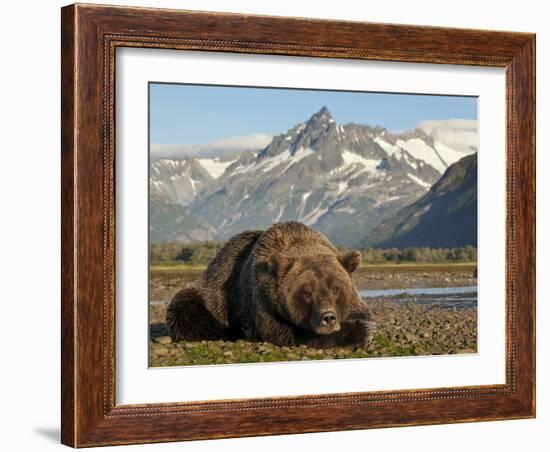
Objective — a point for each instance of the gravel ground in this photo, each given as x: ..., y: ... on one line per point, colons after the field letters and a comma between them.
x: 401, y: 329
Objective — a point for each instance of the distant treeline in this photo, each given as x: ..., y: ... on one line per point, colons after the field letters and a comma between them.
x: 194, y: 253
x: 202, y: 253
x: 428, y: 255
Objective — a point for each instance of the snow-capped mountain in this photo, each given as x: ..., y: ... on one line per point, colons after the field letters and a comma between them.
x: 340, y: 179
x: 180, y: 180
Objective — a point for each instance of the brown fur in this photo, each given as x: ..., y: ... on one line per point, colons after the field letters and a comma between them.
x: 287, y: 285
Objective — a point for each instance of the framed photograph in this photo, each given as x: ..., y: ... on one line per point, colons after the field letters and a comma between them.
x: 282, y: 225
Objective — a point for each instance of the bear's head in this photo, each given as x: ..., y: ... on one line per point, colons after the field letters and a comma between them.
x: 317, y: 291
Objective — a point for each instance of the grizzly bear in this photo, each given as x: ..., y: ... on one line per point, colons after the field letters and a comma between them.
x: 287, y: 285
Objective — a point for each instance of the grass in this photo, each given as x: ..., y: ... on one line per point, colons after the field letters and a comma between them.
x: 243, y: 352
x: 392, y: 349
x: 220, y: 352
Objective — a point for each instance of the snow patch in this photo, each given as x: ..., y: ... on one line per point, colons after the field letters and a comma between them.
x: 388, y: 147
x: 409, y: 161
x: 393, y: 198
x: 420, y: 150
x: 283, y: 157
x: 342, y: 186
x: 268, y: 163
x: 419, y: 181
x: 273, y: 162
x: 302, y: 153
x: 305, y: 196
x: 215, y: 167
x: 280, y: 214
x: 354, y: 160
x: 346, y: 209
x: 314, y: 215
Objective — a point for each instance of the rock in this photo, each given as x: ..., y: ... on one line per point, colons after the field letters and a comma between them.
x: 160, y: 351
x: 163, y: 340
x: 228, y: 354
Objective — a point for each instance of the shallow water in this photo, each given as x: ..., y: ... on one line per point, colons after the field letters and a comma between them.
x: 443, y: 297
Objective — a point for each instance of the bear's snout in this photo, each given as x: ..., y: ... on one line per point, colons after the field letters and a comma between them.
x: 328, y: 318
x: 325, y: 322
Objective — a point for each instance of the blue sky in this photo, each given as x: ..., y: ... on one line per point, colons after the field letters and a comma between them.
x: 195, y: 114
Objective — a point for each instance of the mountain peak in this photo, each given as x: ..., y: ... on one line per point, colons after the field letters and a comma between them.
x: 323, y: 116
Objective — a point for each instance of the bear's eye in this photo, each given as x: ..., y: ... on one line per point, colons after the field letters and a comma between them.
x: 335, y: 290
x: 307, y: 295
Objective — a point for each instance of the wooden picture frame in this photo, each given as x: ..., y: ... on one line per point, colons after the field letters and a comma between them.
x: 90, y: 36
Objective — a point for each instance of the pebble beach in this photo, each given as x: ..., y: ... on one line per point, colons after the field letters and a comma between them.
x: 401, y: 326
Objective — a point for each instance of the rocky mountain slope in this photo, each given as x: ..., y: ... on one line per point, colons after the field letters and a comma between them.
x: 170, y: 221
x: 445, y: 217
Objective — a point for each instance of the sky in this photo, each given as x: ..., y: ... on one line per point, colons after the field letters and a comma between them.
x: 197, y: 114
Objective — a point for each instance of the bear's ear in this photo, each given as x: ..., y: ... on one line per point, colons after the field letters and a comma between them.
x: 351, y: 260
x: 279, y: 265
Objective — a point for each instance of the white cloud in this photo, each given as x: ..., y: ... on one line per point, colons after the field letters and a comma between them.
x: 215, y: 148
x: 458, y: 134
